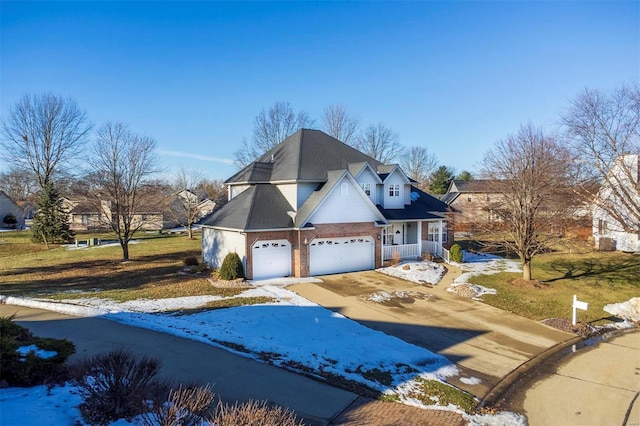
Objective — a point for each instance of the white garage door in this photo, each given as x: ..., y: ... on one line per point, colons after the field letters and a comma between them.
x: 271, y: 259
x: 345, y: 254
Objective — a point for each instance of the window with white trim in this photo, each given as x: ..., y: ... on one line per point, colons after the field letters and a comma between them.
x: 366, y: 187
x: 394, y: 190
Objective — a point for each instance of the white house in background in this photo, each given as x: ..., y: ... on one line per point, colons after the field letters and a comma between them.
x: 616, y: 212
x: 9, y: 207
x: 313, y: 205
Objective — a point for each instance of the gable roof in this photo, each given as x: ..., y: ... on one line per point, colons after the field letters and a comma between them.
x: 306, y: 155
x: 314, y: 201
x: 474, y: 185
x: 261, y: 206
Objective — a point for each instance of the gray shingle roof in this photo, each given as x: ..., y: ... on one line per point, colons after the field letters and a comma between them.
x: 423, y: 206
x: 304, y: 156
x: 474, y: 185
x: 262, y: 206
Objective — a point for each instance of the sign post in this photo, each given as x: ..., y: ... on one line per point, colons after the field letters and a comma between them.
x: 578, y: 305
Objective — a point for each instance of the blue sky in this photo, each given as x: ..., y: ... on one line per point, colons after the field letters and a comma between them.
x: 452, y: 76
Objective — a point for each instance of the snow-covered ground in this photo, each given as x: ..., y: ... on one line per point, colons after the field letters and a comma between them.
x: 480, y: 264
x: 292, y: 329
x: 416, y: 271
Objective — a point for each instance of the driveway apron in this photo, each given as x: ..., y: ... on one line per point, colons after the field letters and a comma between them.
x: 485, y: 342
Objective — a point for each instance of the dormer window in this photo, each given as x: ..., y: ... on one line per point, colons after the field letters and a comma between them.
x: 394, y: 190
x: 366, y: 187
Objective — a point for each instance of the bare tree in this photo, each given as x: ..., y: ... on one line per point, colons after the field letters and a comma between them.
x: 270, y: 127
x: 340, y: 124
x: 186, y: 204
x: 380, y: 142
x: 603, y: 128
x: 418, y: 163
x: 528, y: 175
x: 124, y: 163
x: 215, y: 189
x: 18, y: 184
x: 43, y: 133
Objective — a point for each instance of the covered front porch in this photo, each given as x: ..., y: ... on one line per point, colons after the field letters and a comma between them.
x: 410, y: 239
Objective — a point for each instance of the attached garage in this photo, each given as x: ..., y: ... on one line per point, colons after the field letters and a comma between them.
x: 271, y: 259
x: 343, y: 254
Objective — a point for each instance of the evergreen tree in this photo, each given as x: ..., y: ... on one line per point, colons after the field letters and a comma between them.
x: 465, y: 176
x: 440, y: 180
x: 50, y: 224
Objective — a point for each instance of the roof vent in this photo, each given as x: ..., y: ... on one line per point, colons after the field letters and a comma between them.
x: 272, y: 157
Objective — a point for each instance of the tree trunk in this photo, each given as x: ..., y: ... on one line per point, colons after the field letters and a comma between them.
x: 125, y: 250
x: 526, y: 269
x: 190, y: 232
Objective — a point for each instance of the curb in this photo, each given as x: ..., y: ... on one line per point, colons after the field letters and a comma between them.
x: 507, y: 381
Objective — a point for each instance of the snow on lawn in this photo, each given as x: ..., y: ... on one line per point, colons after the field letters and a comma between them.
x: 292, y: 332
x: 38, y: 406
x: 629, y: 310
x: 480, y: 264
x: 416, y: 271
x: 40, y: 353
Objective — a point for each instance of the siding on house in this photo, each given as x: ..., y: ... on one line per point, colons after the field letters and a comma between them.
x: 345, y: 204
x: 367, y: 177
x: 395, y: 202
x: 216, y: 244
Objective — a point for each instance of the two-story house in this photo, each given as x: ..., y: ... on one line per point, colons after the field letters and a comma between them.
x: 472, y: 202
x: 313, y: 205
x: 616, y: 207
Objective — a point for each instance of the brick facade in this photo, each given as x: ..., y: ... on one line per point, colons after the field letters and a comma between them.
x: 300, y: 250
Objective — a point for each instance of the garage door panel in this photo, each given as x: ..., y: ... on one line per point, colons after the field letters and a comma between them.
x: 344, y: 254
x: 271, y: 259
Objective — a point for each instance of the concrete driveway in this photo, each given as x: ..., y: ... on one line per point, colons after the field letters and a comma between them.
x: 485, y: 342
x: 234, y: 378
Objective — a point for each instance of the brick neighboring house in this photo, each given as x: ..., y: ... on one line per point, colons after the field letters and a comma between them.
x: 313, y: 205
x: 616, y: 216
x: 92, y: 214
x: 470, y: 201
x: 10, y: 207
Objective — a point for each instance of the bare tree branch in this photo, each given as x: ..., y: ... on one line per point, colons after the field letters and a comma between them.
x: 528, y: 174
x: 380, y: 142
x: 340, y: 124
x: 418, y: 163
x: 269, y: 129
x: 603, y: 128
x: 43, y: 133
x: 124, y: 163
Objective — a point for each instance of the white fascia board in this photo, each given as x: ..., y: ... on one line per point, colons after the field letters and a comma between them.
x: 373, y: 172
x: 396, y: 169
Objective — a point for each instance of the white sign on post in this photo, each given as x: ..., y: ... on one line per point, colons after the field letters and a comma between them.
x: 578, y: 305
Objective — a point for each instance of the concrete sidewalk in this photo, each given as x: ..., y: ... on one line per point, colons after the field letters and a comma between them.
x: 595, y: 386
x: 235, y: 378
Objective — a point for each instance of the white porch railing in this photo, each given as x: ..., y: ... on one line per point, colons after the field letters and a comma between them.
x: 434, y: 248
x: 445, y: 255
x: 404, y: 251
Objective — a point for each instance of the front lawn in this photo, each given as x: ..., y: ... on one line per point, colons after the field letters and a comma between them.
x: 599, y: 278
x: 26, y: 269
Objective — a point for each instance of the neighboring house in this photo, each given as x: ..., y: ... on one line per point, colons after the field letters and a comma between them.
x: 313, y: 205
x: 616, y: 208
x: 469, y: 201
x: 92, y: 214
x: 9, y: 207
x: 185, y: 203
